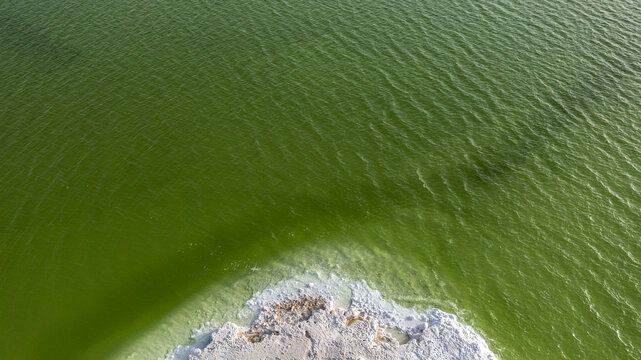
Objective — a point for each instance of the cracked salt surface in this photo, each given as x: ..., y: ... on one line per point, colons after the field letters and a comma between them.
x: 311, y: 318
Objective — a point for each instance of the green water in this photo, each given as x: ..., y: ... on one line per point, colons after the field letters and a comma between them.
x: 481, y: 157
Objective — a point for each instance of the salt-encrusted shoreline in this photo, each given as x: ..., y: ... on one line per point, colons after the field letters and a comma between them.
x: 310, y: 318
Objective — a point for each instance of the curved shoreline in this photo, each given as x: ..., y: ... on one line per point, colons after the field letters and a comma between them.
x: 310, y: 318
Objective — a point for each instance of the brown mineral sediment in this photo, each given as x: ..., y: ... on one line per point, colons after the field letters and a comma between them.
x: 291, y: 311
x: 354, y: 317
x: 304, y: 328
x: 381, y: 336
x: 299, y: 326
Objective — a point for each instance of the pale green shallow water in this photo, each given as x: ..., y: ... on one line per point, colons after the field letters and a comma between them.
x: 481, y: 157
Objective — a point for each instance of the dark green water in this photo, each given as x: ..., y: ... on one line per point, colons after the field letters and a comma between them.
x: 481, y: 157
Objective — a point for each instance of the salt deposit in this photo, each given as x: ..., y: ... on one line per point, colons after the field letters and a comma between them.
x: 310, y: 318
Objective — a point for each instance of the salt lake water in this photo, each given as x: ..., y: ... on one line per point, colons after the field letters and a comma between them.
x: 161, y: 161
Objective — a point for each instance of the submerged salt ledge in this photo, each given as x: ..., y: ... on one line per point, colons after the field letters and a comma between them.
x: 310, y: 318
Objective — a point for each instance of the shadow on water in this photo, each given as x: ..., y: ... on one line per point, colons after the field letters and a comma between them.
x: 565, y: 113
x: 182, y: 275
x: 176, y: 279
x: 31, y: 40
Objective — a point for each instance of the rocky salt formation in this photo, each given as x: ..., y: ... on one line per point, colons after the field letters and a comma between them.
x: 304, y: 321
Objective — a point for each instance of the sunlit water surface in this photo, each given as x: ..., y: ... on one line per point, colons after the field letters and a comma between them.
x: 160, y: 161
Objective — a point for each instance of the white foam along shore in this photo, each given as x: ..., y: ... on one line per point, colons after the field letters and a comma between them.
x: 311, y: 318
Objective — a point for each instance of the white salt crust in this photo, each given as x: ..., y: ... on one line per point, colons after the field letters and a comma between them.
x: 311, y: 318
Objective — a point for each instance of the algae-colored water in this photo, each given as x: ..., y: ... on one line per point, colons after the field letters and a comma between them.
x: 481, y: 157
